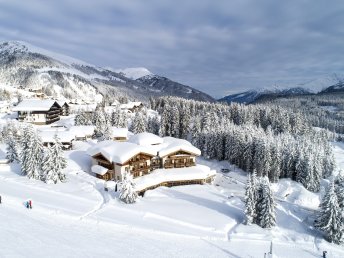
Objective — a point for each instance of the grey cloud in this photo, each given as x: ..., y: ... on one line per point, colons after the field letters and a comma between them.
x: 215, y: 46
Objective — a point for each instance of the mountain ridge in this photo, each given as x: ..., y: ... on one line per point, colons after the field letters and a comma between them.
x: 27, y: 66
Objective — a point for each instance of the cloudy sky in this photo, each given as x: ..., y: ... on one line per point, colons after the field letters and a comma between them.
x: 218, y: 46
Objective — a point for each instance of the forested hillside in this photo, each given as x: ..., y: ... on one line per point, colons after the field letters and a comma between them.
x: 321, y: 110
x: 268, y: 139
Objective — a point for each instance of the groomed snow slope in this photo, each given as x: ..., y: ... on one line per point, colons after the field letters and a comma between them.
x: 80, y: 219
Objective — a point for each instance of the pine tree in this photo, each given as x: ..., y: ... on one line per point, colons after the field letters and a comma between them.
x: 339, y: 189
x: 54, y: 163
x: 106, y: 133
x: 12, y: 149
x: 153, y: 125
x: 139, y: 124
x: 330, y: 217
x: 251, y: 198
x: 266, y: 217
x: 31, y: 154
x: 185, y: 120
x: 127, y: 192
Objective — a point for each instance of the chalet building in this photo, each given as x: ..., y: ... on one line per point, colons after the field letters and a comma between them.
x: 64, y: 108
x: 38, y: 112
x: 145, y: 154
x: 111, y: 159
x: 65, y: 137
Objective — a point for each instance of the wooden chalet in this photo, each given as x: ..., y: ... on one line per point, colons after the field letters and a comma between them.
x: 120, y: 157
x: 64, y: 108
x: 153, y: 161
x: 38, y: 112
x: 178, y: 159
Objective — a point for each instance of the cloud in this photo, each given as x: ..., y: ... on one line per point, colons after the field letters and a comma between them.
x: 216, y: 46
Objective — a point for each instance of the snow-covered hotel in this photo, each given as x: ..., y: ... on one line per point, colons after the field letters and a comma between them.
x: 153, y: 161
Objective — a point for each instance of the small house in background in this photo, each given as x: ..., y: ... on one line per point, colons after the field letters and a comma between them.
x: 4, y: 107
x: 64, y: 107
x: 38, y: 112
x: 65, y: 137
x: 86, y: 108
x: 120, y: 134
x: 82, y: 132
x: 131, y: 107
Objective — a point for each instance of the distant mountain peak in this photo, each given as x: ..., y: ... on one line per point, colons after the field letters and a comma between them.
x: 134, y: 72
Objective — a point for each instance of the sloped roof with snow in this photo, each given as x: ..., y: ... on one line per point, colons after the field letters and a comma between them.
x: 130, y: 105
x: 163, y: 146
x: 118, y: 152
x: 82, y: 130
x: 119, y: 132
x: 171, y: 145
x: 48, y: 136
x: 146, y: 139
x: 35, y: 105
x: 61, y: 102
x: 99, y: 170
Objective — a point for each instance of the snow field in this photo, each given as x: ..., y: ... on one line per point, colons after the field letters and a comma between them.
x: 80, y: 219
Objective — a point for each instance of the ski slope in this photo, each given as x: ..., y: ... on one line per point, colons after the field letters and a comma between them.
x: 80, y: 219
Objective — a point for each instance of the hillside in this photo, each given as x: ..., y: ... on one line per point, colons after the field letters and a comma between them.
x: 255, y: 95
x: 26, y: 66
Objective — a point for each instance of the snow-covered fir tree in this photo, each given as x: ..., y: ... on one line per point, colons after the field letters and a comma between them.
x: 251, y: 198
x: 54, y: 163
x: 101, y: 120
x: 82, y: 118
x: 266, y: 214
x: 153, y: 125
x: 139, y: 123
x: 339, y: 189
x: 106, y: 132
x: 185, y: 123
x: 127, y: 192
x: 330, y: 217
x: 12, y: 149
x: 31, y: 153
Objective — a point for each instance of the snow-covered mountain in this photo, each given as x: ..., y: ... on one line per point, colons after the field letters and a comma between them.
x: 134, y: 73
x: 25, y: 66
x: 330, y: 83
x: 253, y: 95
x: 337, y: 88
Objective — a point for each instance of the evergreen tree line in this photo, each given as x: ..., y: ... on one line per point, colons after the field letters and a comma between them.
x: 305, y: 159
x: 25, y: 147
x: 325, y: 111
x: 103, y: 122
x: 177, y: 116
x: 270, y: 141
